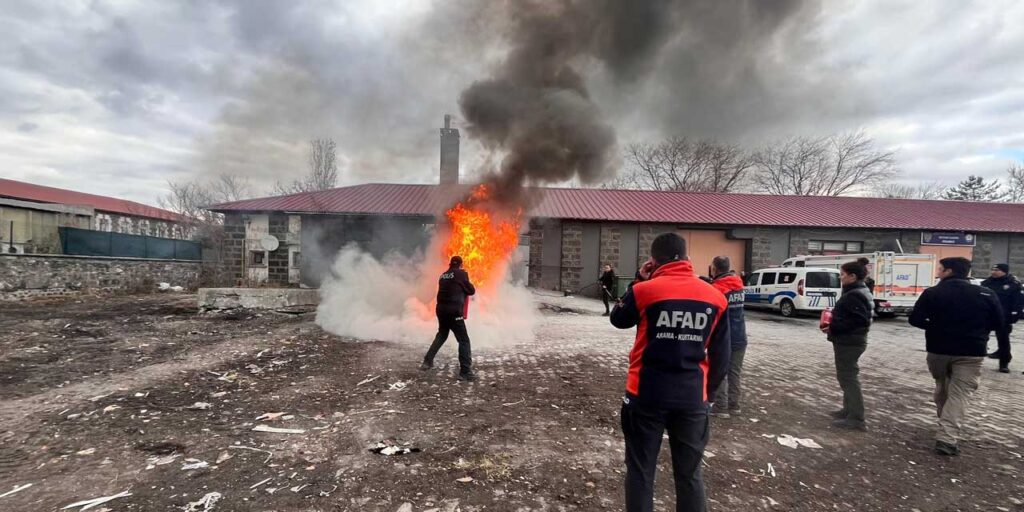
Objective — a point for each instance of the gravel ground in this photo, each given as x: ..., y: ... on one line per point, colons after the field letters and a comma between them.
x: 142, y: 394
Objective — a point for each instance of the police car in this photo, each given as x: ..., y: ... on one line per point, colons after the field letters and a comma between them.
x: 793, y: 289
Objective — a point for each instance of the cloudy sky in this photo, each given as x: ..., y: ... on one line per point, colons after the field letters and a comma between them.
x: 118, y: 97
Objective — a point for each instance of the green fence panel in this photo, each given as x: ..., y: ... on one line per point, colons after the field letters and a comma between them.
x: 86, y: 242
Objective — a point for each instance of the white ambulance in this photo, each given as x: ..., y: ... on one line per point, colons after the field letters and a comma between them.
x: 900, y: 279
x: 793, y: 289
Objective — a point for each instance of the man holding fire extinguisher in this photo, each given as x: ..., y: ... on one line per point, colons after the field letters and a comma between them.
x: 847, y: 329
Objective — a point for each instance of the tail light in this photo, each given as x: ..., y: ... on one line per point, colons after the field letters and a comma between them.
x: 800, y: 287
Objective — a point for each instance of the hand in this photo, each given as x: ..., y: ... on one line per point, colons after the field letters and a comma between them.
x: 825, y: 328
x: 648, y: 268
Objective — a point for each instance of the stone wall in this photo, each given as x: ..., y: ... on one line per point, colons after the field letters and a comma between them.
x: 277, y: 261
x: 28, y: 276
x: 536, y: 254
x: 572, y: 255
x: 611, y: 243
x: 1017, y: 255
x: 233, y: 247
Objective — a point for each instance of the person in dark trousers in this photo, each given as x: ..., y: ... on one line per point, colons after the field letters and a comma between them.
x: 727, y: 402
x: 453, y: 288
x: 677, y: 363
x: 848, y: 332
x: 1011, y: 298
x: 957, y: 318
x: 868, y: 280
x: 607, y: 281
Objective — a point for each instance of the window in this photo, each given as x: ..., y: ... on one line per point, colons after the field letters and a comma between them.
x: 257, y: 258
x: 296, y: 259
x: 787, y: 277
x: 823, y: 280
x: 768, y: 278
x: 752, y: 279
x: 820, y: 247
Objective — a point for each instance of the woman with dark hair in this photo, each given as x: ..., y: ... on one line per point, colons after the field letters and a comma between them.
x: 848, y: 332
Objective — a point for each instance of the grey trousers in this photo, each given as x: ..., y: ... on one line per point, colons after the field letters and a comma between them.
x: 956, y: 379
x: 847, y: 373
x: 730, y: 389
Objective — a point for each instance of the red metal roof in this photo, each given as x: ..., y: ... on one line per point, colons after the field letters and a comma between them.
x: 667, y: 207
x: 41, y: 194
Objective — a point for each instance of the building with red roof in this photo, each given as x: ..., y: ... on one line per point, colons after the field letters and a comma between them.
x: 30, y: 216
x: 573, y: 232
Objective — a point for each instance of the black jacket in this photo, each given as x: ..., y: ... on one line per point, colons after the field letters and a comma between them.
x: 608, y: 281
x: 1010, y: 293
x: 957, y: 317
x: 851, y: 318
x: 452, y: 289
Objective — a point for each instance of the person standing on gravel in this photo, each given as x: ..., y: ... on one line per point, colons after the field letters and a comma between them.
x: 848, y: 332
x: 453, y: 290
x: 1011, y: 297
x: 957, y: 318
x: 677, y: 363
x: 607, y: 281
x: 727, y: 402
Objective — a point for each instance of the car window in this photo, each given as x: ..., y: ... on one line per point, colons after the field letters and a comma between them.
x: 752, y: 279
x: 787, y: 277
x: 823, y: 280
x: 768, y: 278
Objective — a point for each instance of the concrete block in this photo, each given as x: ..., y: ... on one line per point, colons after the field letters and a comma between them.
x: 257, y: 298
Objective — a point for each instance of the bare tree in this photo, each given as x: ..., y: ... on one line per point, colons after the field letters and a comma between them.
x: 924, y: 190
x: 825, y: 166
x: 1015, y: 183
x: 682, y: 164
x: 191, y: 199
x: 323, y: 169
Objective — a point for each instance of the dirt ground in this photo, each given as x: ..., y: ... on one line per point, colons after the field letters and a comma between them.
x: 146, y: 395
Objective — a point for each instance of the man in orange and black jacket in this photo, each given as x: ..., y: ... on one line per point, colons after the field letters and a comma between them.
x: 679, y: 358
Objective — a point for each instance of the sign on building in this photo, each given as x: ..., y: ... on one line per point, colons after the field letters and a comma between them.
x: 958, y: 238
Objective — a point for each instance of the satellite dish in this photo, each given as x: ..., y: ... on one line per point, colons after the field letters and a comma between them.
x: 269, y: 243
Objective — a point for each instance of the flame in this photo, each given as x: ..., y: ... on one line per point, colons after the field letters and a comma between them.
x: 483, y: 237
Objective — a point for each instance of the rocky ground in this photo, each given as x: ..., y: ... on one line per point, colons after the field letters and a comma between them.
x: 145, y: 396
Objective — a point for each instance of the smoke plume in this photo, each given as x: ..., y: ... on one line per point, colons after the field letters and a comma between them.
x: 392, y: 299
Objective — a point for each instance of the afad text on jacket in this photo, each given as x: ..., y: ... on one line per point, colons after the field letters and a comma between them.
x: 731, y: 286
x: 682, y: 348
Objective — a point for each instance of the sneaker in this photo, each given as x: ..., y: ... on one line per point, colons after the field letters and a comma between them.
x: 426, y: 366
x: 606, y: 313
x: 735, y: 410
x: 468, y: 377
x: 718, y: 413
x: 1004, y: 369
x: 994, y: 355
x: 946, y: 449
x: 838, y: 415
x: 849, y: 424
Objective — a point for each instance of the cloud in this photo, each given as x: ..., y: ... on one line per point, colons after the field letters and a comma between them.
x: 137, y: 94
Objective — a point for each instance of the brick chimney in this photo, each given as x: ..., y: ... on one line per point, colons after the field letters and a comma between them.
x: 449, y: 153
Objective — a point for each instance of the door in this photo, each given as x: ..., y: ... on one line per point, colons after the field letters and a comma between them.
x: 751, y: 292
x: 768, y: 287
x: 702, y: 245
x: 948, y: 251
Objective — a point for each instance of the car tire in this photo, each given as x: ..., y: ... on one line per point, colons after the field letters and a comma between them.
x: 787, y: 308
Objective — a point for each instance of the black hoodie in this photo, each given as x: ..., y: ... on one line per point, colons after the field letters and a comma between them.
x: 452, y: 289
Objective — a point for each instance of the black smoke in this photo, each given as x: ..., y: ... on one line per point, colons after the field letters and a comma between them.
x: 535, y: 108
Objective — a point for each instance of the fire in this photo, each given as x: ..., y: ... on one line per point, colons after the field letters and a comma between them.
x: 483, y: 237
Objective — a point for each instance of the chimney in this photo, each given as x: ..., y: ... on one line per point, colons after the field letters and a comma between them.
x: 449, y: 153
